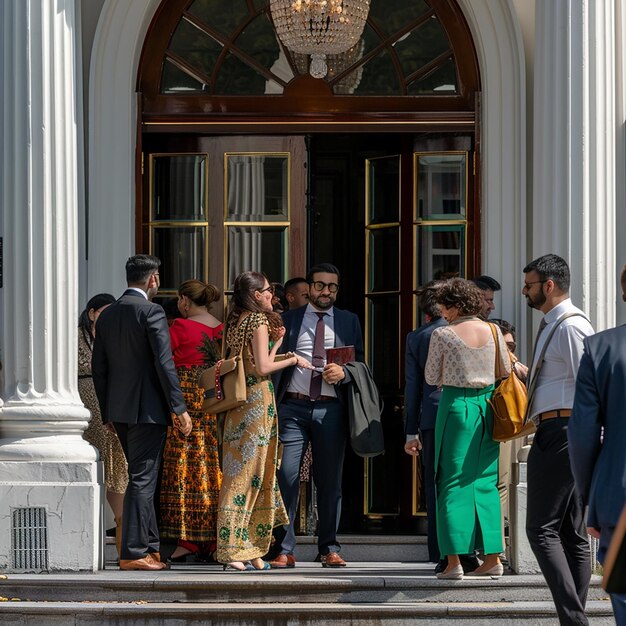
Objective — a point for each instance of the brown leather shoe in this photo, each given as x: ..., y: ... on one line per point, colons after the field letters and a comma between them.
x: 332, y: 559
x: 146, y: 563
x: 283, y: 561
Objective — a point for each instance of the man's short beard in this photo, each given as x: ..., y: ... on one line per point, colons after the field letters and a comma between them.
x: 322, y: 305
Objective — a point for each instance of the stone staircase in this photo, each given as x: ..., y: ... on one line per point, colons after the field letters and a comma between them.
x: 398, y: 591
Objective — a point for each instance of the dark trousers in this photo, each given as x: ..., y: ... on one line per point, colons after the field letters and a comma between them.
x: 324, y: 424
x: 618, y: 600
x: 143, y: 446
x: 428, y: 459
x: 555, y: 523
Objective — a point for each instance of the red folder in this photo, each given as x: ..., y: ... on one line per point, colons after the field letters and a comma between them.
x: 341, y: 355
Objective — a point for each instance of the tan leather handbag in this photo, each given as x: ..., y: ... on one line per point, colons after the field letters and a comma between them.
x: 508, y: 402
x: 224, y: 384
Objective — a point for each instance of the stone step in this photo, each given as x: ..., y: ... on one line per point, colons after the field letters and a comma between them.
x: 381, y: 583
x: 356, y: 548
x: 305, y: 614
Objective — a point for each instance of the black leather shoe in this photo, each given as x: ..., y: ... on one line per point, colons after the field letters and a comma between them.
x: 441, y: 566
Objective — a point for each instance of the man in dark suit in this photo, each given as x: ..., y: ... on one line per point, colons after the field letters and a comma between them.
x: 421, y: 401
x: 597, y: 437
x: 138, y: 391
x: 310, y: 408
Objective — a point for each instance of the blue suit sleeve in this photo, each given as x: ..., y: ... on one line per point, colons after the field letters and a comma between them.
x: 585, y: 427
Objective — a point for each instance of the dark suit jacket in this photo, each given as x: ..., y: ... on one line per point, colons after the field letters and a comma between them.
x: 132, y: 366
x: 600, y: 401
x: 420, y: 405
x: 347, y: 333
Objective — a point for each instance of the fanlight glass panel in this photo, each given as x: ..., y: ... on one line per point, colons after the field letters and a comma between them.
x: 259, y: 249
x: 257, y: 188
x: 179, y: 188
x: 182, y: 251
x: 232, y: 49
x: 441, y: 191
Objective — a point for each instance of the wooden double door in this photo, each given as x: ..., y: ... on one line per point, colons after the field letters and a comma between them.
x: 391, y: 211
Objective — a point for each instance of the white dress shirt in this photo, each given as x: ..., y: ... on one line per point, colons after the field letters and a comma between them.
x: 301, y: 379
x: 557, y: 378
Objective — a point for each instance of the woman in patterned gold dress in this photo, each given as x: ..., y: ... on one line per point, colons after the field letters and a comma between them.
x: 97, y: 434
x: 250, y: 504
x: 191, y: 475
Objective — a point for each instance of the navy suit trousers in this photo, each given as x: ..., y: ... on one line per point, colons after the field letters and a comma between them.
x: 324, y: 424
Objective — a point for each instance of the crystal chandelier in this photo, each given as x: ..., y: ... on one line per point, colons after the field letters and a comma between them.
x: 319, y: 27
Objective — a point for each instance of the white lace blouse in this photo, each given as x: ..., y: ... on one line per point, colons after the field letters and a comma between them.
x: 453, y: 363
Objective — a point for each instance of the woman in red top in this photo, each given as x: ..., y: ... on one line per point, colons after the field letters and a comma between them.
x: 191, y: 476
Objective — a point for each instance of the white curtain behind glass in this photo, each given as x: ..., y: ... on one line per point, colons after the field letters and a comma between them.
x: 246, y: 203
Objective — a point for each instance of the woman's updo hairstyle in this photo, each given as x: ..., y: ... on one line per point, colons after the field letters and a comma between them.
x: 200, y: 293
x: 243, y: 300
x: 462, y: 294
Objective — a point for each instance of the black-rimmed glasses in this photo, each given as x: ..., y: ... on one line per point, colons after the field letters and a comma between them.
x: 270, y: 289
x: 319, y: 286
x: 527, y: 286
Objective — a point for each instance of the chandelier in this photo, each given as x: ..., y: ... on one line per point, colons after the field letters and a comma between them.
x: 319, y: 27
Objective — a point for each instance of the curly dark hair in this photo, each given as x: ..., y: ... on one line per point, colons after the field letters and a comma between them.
x: 462, y: 294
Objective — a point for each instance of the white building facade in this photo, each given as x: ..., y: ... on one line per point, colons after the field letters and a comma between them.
x: 551, y: 180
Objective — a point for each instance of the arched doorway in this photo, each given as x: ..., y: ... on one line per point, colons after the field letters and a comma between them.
x: 249, y: 163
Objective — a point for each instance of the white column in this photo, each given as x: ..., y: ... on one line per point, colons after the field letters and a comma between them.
x: 574, y: 170
x: 44, y: 462
x: 574, y: 202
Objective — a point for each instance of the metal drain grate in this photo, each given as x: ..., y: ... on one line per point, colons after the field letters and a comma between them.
x: 29, y: 532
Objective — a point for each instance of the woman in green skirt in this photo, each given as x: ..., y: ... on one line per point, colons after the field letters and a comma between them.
x: 462, y: 361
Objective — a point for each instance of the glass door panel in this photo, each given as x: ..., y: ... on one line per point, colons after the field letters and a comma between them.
x: 257, y: 249
x: 416, y: 224
x: 383, y: 341
x: 383, y: 260
x: 382, y: 317
x: 257, y: 214
x: 216, y: 206
x: 183, y: 254
x: 441, y: 252
x: 179, y: 187
x: 441, y: 189
x: 383, y: 181
x: 257, y: 187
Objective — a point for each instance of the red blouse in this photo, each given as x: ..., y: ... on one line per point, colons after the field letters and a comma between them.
x: 186, y: 336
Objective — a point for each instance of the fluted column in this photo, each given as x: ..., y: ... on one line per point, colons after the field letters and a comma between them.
x: 44, y: 462
x: 574, y: 173
x: 574, y: 202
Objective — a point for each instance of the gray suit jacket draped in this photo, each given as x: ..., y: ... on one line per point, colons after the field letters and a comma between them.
x: 132, y: 366
x: 347, y: 333
x: 599, y: 465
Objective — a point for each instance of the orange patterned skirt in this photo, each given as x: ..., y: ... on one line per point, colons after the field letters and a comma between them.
x: 191, y: 478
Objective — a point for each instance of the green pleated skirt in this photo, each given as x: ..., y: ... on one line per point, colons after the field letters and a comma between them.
x: 466, y: 473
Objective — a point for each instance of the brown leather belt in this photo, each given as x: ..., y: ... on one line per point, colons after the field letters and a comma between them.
x: 300, y: 396
x: 550, y: 415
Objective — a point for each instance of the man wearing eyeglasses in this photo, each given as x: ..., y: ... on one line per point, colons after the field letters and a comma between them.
x: 138, y: 392
x: 554, y: 522
x: 310, y: 409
